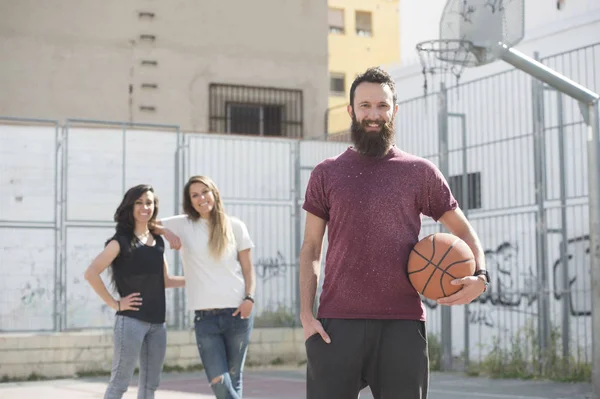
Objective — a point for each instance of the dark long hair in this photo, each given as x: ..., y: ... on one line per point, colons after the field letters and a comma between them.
x: 126, y: 221
x: 124, y: 213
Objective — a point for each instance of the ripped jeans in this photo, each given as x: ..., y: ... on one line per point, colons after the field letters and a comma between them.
x: 222, y: 341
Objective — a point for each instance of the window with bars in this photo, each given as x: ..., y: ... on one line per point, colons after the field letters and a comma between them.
x: 261, y: 120
x: 473, y: 182
x: 336, y: 21
x: 261, y: 111
x: 363, y: 23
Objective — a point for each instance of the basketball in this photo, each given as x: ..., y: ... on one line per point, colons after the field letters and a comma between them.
x: 435, y: 261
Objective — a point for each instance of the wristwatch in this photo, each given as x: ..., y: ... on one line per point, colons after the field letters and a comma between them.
x: 249, y: 297
x: 485, y: 273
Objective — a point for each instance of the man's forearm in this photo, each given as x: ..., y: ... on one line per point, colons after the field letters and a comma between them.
x: 309, y: 277
x: 471, y: 239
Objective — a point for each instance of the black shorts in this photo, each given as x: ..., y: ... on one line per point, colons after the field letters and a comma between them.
x: 389, y: 356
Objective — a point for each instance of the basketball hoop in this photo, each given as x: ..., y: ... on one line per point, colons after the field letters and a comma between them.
x: 470, y: 31
x: 443, y: 57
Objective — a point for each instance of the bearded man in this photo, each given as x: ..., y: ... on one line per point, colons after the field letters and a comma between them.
x: 370, y: 325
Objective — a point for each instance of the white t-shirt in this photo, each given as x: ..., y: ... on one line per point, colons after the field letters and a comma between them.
x: 210, y: 283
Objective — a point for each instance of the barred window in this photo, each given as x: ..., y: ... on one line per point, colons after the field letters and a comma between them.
x: 261, y: 111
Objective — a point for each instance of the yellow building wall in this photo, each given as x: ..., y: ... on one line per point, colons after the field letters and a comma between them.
x: 351, y: 54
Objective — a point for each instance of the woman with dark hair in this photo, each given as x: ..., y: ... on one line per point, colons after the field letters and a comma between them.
x: 215, y: 252
x: 140, y: 275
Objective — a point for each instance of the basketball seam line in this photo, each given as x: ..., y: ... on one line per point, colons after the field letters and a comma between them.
x: 448, y: 267
x: 430, y: 262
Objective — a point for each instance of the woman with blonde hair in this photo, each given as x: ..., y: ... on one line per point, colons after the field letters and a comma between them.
x: 220, y: 282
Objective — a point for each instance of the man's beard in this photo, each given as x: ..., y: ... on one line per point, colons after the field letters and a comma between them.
x: 372, y: 144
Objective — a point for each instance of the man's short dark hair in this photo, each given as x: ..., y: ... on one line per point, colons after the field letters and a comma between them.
x: 373, y: 75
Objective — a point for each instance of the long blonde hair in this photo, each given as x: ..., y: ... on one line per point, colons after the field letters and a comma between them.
x: 220, y: 230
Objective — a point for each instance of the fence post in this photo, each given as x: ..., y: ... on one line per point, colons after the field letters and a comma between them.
x: 446, y: 312
x: 593, y: 147
x: 562, y: 169
x: 541, y: 223
x: 178, y: 309
x: 465, y: 206
x: 58, y: 214
x: 297, y: 219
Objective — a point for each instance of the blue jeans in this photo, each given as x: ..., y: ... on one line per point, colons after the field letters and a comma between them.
x: 223, y: 343
x: 135, y: 339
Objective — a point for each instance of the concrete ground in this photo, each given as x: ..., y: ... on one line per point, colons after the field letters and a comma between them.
x: 289, y: 383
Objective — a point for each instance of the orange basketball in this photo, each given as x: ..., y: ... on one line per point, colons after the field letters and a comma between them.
x: 435, y: 261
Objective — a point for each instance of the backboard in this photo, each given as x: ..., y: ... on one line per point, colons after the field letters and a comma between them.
x: 484, y: 24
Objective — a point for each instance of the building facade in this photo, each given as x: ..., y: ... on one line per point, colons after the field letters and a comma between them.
x: 361, y: 34
x: 255, y: 67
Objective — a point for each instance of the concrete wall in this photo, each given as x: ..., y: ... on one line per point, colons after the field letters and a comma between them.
x: 65, y: 354
x: 83, y: 59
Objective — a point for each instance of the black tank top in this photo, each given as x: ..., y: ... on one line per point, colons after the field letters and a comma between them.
x: 140, y: 268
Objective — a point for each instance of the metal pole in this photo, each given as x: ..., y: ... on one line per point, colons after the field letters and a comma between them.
x: 184, y: 175
x: 63, y: 228
x: 124, y: 160
x: 566, y: 295
x: 465, y: 208
x: 541, y: 228
x: 545, y: 74
x: 177, y: 294
x: 326, y: 133
x: 297, y: 216
x: 57, y: 201
x: 443, y: 166
x: 593, y: 147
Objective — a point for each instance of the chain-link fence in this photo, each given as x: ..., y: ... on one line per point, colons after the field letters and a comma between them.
x: 63, y: 184
x: 514, y: 153
x: 513, y: 150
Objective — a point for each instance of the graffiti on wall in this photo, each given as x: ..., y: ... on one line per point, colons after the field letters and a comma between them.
x: 269, y: 267
x: 579, y: 279
x: 515, y: 286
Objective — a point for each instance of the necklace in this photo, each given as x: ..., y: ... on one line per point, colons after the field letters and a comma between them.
x: 141, y: 237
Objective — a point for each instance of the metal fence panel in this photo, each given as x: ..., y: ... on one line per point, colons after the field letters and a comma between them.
x: 521, y: 175
x: 101, y: 162
x: 28, y: 220
x: 82, y: 308
x: 255, y: 177
x: 30, y: 186
x: 519, y: 170
x: 244, y: 168
x: 27, y: 288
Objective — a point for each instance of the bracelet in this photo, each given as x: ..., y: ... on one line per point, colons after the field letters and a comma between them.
x: 249, y: 297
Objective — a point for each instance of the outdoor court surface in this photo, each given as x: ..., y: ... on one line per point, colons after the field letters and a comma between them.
x: 289, y: 383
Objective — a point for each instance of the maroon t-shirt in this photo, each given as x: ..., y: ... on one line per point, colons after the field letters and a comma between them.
x: 373, y: 211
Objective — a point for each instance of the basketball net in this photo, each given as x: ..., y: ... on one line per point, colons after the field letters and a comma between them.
x: 442, y: 58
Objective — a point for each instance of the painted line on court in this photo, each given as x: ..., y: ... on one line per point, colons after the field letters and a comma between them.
x: 485, y: 395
